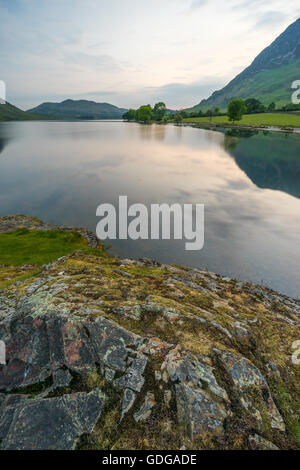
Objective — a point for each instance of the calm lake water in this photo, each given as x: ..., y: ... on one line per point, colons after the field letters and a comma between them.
x: 250, y: 185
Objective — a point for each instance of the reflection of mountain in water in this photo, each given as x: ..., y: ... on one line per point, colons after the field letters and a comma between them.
x: 2, y: 143
x: 4, y: 138
x: 271, y: 161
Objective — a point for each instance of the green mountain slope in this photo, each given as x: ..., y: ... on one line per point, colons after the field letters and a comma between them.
x: 8, y: 112
x: 80, y: 109
x: 268, y: 78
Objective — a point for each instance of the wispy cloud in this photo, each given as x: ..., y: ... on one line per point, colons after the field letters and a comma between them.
x: 198, y: 4
x: 183, y: 94
x: 270, y: 19
x: 98, y: 62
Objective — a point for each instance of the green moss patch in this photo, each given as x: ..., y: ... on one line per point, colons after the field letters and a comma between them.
x: 36, y: 247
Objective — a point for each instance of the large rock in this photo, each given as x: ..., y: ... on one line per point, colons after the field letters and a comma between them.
x: 251, y: 385
x: 183, y: 357
x: 200, y: 412
x: 38, y: 347
x: 201, y: 402
x: 51, y: 424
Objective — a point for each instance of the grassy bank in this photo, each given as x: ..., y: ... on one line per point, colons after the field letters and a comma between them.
x: 38, y: 247
x: 264, y: 119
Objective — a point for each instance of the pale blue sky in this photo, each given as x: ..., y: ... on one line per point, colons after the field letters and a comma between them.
x: 132, y: 52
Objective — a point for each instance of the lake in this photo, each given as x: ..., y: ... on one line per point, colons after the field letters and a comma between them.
x: 249, y: 183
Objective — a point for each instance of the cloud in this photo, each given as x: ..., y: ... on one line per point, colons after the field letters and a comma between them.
x: 270, y: 19
x: 198, y: 4
x: 103, y: 62
x: 183, y: 95
x: 176, y: 94
x: 244, y: 5
x: 107, y: 52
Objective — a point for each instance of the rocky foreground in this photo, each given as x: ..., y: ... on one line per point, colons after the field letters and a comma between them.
x: 104, y: 353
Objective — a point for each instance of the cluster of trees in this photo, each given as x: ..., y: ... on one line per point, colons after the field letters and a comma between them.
x: 290, y: 107
x: 254, y: 106
x: 236, y: 109
x: 158, y: 113
x: 147, y: 114
x: 209, y: 113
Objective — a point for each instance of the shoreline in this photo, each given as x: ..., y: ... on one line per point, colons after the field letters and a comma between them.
x: 195, y: 124
x: 13, y: 222
x: 216, y: 126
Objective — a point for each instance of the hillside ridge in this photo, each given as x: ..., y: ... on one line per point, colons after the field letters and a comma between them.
x: 79, y: 109
x: 268, y: 78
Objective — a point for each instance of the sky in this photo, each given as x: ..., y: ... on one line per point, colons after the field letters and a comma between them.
x: 132, y: 52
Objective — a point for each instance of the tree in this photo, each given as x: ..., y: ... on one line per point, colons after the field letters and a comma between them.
x: 254, y: 106
x: 159, y: 111
x: 210, y: 114
x: 144, y: 114
x: 129, y: 115
x: 236, y: 109
x: 272, y: 106
x: 177, y: 117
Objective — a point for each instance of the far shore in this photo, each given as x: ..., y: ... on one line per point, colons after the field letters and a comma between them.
x: 189, y: 122
x: 280, y: 122
x: 213, y: 126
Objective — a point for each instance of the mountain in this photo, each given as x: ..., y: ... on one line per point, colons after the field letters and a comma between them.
x: 8, y: 112
x: 79, y: 109
x: 268, y: 78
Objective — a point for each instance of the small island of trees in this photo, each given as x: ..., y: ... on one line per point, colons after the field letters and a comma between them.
x: 147, y: 114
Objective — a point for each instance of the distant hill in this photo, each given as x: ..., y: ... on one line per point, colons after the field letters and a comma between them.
x: 8, y: 112
x: 79, y: 109
x: 268, y: 78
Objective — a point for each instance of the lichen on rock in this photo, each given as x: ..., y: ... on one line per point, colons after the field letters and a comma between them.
x: 161, y: 357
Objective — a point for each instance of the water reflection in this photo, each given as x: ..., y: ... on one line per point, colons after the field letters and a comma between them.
x: 151, y: 132
x: 2, y: 144
x: 269, y: 162
x: 4, y: 139
x: 61, y: 172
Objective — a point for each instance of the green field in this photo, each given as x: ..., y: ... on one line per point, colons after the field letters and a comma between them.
x: 37, y: 247
x: 264, y: 119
